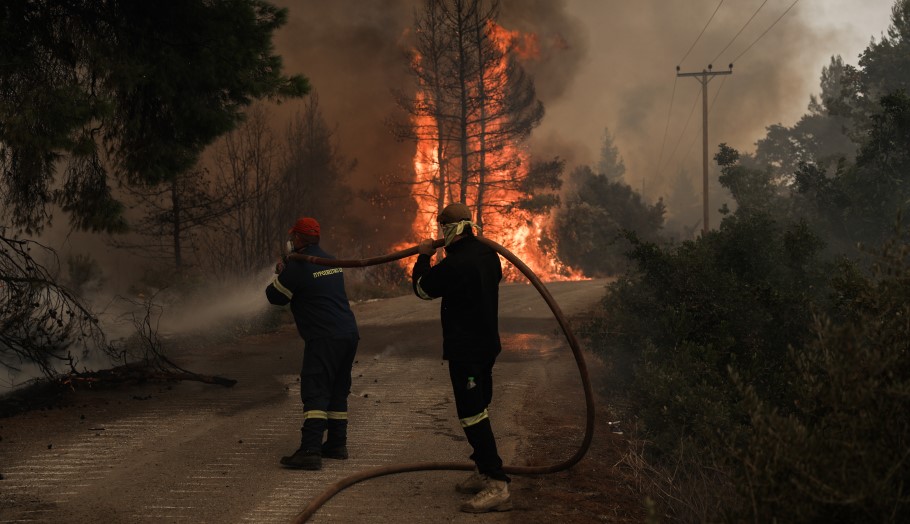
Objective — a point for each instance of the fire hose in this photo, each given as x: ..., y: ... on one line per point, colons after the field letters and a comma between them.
x: 344, y: 483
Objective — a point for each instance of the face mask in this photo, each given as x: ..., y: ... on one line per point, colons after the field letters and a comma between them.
x: 450, y: 231
x: 289, y: 246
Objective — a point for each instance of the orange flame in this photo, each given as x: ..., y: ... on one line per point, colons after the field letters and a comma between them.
x: 516, y: 229
x: 526, y: 46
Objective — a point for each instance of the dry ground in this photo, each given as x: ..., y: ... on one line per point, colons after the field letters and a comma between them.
x: 190, y: 452
x: 598, y: 488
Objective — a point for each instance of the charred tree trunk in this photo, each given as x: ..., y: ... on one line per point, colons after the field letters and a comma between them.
x: 480, y: 44
x: 461, y: 16
x: 434, y: 56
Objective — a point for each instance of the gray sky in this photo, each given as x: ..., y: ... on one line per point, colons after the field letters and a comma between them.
x: 627, y: 81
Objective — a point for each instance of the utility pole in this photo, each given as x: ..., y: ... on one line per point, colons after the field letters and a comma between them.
x: 703, y: 78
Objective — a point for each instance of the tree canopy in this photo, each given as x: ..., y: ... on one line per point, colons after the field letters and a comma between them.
x: 590, y: 226
x: 132, y: 90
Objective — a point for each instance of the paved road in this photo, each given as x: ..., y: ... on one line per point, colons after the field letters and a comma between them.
x: 190, y: 452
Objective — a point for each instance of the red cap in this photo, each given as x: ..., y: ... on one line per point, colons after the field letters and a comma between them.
x: 306, y: 226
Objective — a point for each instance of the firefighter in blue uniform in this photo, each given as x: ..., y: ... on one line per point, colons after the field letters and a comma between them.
x: 467, y: 279
x: 327, y: 325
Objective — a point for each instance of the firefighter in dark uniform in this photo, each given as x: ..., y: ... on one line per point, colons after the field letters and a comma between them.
x: 467, y: 279
x: 326, y: 323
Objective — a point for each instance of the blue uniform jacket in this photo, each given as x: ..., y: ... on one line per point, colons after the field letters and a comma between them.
x: 317, y: 297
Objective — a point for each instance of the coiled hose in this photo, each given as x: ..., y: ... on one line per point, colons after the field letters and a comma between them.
x: 337, y: 487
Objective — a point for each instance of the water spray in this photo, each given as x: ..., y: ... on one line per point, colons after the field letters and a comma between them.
x: 344, y: 483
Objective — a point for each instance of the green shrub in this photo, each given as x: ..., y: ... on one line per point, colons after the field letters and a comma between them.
x: 589, y: 226
x: 735, y: 299
x: 842, y: 452
x: 752, y: 365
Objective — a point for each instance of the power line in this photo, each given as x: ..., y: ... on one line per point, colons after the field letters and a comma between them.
x: 739, y: 32
x: 766, y: 31
x: 704, y: 77
x: 724, y: 79
x: 663, y: 142
x: 700, y: 34
x: 686, y: 126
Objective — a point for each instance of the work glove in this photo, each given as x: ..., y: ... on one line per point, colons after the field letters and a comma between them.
x: 426, y: 247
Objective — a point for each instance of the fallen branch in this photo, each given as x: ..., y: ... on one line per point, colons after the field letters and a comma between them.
x: 137, y: 372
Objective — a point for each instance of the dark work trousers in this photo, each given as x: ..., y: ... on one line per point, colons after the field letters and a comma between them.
x: 471, y: 404
x: 325, y: 383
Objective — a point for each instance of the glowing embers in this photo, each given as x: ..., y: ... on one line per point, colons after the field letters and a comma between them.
x: 533, y: 345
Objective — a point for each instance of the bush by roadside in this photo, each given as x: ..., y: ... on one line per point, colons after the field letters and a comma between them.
x: 763, y: 382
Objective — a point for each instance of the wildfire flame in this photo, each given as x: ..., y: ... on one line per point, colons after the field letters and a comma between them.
x: 516, y: 229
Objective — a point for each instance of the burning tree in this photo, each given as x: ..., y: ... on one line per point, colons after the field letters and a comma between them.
x: 506, y: 110
x: 429, y: 111
x: 473, y: 109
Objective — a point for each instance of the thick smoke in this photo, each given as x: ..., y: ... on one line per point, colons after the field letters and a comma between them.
x: 603, y: 65
x: 562, y: 40
x: 627, y: 81
x: 353, y: 52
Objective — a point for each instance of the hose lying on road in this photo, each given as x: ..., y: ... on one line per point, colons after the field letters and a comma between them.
x: 335, y: 488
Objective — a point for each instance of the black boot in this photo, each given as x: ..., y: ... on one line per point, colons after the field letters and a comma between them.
x: 335, y: 446
x: 335, y: 452
x: 303, y: 459
x: 309, y: 455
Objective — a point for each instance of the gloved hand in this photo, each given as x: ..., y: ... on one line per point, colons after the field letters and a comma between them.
x: 279, y: 267
x: 426, y: 247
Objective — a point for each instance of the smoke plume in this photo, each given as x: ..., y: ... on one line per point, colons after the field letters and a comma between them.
x: 602, y: 65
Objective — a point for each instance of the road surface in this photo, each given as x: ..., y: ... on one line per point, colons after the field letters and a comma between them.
x: 191, y: 452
